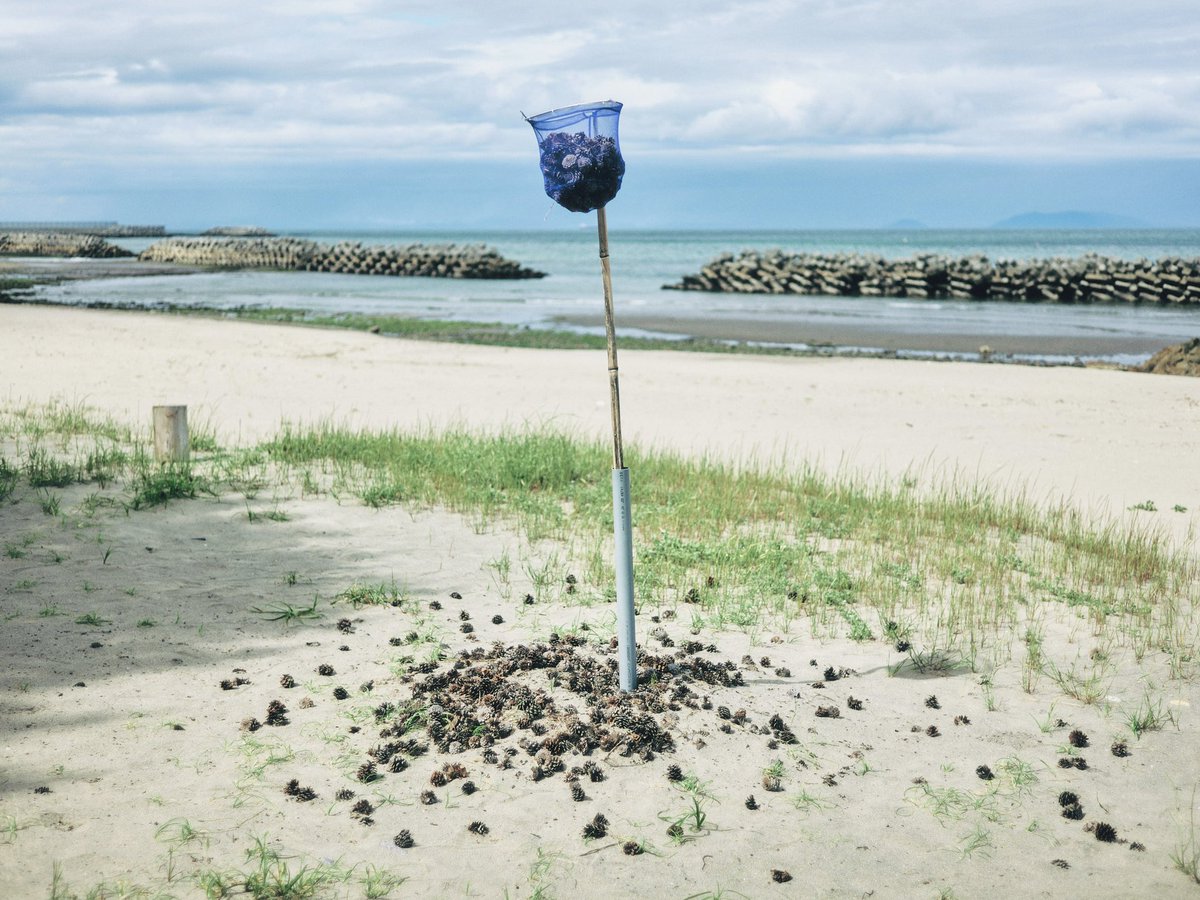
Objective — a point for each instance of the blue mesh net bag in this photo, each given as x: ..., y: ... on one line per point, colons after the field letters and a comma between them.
x: 580, y: 155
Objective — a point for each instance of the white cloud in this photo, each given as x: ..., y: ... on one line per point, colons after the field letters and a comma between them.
x: 372, y: 79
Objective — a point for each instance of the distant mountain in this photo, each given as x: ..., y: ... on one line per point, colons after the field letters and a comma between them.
x: 1069, y: 219
x: 906, y: 225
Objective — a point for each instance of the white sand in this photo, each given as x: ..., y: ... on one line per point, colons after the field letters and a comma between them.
x: 1107, y: 439
x: 850, y: 821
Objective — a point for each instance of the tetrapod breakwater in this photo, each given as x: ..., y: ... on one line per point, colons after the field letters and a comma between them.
x: 1085, y: 279
x: 347, y: 257
x: 52, y: 243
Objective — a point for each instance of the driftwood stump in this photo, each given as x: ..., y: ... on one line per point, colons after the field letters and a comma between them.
x: 170, y: 434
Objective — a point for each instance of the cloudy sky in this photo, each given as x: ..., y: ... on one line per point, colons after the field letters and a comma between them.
x: 779, y: 113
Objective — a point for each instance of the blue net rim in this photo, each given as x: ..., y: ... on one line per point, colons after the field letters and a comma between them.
x: 568, y: 115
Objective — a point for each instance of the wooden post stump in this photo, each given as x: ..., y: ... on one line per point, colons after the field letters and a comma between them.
x: 170, y: 434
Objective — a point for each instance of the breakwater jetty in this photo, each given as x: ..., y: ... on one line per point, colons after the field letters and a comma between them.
x: 55, y: 243
x: 102, y: 229
x: 1085, y: 279
x: 348, y: 257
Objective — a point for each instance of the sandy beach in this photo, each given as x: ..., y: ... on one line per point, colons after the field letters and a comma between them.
x: 137, y: 648
x: 1105, y: 439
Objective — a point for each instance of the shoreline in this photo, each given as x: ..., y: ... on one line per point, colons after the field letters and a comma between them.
x: 852, y: 331
x: 742, y: 337
x: 848, y: 335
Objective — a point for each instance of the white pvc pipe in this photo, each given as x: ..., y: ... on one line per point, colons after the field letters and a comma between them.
x: 623, y: 560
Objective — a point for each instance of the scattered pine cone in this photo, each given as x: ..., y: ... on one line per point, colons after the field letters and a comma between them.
x: 276, y: 713
x: 674, y: 773
x: 468, y: 787
x: 325, y: 669
x: 855, y: 704
x: 455, y: 595
x: 828, y: 712
x: 466, y: 628
x: 961, y: 720
x: 632, y: 848
x: 344, y: 794
x: 403, y: 840
x: 345, y: 626
x: 783, y: 672
x: 932, y: 702
x: 1120, y: 749
x: 363, y: 808
x: 478, y: 828
x: 932, y: 731
x: 780, y: 875
x: 428, y: 798
x: 1066, y: 798
x: 340, y: 693
x: 1105, y: 832
x: 985, y: 773
x: 435, y: 605
x: 438, y: 778
x: 287, y: 681
x: 1072, y: 811
x: 1077, y: 739
x: 597, y: 828
x: 675, y: 830
x: 772, y: 783
x: 251, y: 724
x: 366, y: 773
x: 1138, y: 846
x: 751, y: 803
x: 903, y: 646
x: 1061, y: 863
x: 577, y: 793
x: 497, y: 619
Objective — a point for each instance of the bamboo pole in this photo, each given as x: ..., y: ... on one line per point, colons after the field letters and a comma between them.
x: 622, y: 523
x: 613, y: 378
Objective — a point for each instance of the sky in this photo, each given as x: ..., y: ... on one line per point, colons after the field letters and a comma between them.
x: 772, y: 114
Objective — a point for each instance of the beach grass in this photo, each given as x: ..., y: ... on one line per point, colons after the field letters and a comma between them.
x: 952, y: 572
x: 495, y: 334
x: 952, y: 563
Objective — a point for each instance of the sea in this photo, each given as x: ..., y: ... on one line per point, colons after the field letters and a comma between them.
x: 644, y: 261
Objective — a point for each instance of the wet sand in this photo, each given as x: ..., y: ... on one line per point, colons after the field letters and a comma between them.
x: 847, y: 333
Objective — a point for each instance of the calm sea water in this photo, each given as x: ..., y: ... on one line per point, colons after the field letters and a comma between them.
x: 643, y: 262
